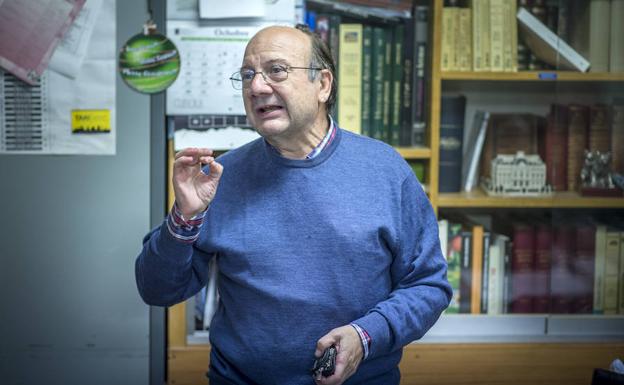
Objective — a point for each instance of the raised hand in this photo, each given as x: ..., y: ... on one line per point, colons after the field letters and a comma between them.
x: 194, y: 190
x: 350, y: 352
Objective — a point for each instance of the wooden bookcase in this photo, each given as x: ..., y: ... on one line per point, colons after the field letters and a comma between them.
x: 483, y: 359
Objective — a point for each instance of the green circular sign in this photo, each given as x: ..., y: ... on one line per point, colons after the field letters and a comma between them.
x: 149, y: 63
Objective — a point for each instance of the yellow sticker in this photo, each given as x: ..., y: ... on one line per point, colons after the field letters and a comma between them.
x: 90, y: 121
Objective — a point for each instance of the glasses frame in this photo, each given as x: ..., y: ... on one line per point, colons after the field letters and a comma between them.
x: 239, y: 84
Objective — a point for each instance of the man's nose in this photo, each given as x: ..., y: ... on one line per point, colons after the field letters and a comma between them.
x: 259, y: 84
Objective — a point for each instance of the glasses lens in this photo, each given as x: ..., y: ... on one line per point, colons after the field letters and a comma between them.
x: 237, y: 81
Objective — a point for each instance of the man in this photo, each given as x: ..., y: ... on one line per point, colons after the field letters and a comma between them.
x: 322, y: 237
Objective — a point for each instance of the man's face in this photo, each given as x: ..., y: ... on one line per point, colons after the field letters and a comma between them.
x: 287, y: 108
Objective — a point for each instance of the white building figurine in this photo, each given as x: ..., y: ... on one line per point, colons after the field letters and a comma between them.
x: 517, y: 175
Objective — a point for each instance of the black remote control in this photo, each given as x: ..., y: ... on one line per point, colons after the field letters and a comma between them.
x: 326, y: 364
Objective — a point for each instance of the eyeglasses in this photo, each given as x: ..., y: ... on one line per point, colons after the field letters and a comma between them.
x: 274, y: 74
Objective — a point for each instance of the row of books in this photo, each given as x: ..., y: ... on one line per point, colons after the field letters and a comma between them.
x: 381, y: 73
x: 511, y: 35
x: 482, y: 37
x: 537, y: 268
x: 560, y: 140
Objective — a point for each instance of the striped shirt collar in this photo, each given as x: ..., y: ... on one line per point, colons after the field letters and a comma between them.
x: 331, y: 133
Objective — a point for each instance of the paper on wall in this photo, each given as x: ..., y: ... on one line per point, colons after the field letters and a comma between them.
x: 38, y: 120
x: 71, y: 51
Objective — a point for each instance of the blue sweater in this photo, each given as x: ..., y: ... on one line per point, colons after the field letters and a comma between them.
x: 305, y: 246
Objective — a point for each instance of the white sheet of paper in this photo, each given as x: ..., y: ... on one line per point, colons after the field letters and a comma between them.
x: 219, y: 9
x: 71, y: 51
x: 50, y: 105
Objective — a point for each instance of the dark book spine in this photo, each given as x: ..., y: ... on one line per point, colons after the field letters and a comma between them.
x: 554, y: 147
x: 419, y: 125
x: 577, y: 143
x: 617, y: 141
x: 465, y: 278
x: 485, y: 275
x: 387, y: 83
x: 397, y: 80
x: 377, y: 87
x: 599, y: 138
x: 451, y: 136
x: 583, y: 268
x: 408, y: 76
x: 522, y: 262
x: 561, y: 277
x: 541, y: 276
x: 367, y: 57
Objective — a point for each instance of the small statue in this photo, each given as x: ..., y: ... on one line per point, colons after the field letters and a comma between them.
x: 596, y: 170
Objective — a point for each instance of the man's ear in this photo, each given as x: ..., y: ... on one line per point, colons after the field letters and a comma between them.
x: 325, y: 85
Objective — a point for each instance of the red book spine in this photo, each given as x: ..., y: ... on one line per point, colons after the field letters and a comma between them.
x: 578, y: 117
x: 522, y: 262
x: 541, y: 278
x: 584, y: 269
x: 554, y: 150
x: 561, y: 277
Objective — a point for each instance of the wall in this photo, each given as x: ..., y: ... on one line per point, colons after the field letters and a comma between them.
x: 71, y: 228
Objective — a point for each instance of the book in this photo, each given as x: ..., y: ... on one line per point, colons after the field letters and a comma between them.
x: 367, y: 58
x: 465, y: 278
x: 419, y: 85
x: 621, y: 276
x: 496, y: 275
x: 510, y: 37
x: 616, y: 37
x: 377, y: 70
x: 451, y: 137
x: 561, y: 274
x: 599, y: 31
x: 578, y: 120
x: 497, y: 12
x: 472, y: 149
x: 583, y: 267
x: 486, y: 48
x: 522, y: 261
x: 477, y: 269
x: 463, y: 40
x: 397, y: 81
x: 547, y: 46
x: 477, y: 35
x: 599, y: 135
x: 611, y: 271
x: 541, y: 274
x: 443, y: 229
x: 485, y: 276
x: 387, y: 83
x: 553, y: 147
x: 454, y: 261
x: 405, y: 138
x: 450, y: 18
x: 350, y: 75
x: 600, y: 249
x: 617, y: 136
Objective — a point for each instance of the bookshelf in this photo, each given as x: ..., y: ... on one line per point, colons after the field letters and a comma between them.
x: 507, y: 348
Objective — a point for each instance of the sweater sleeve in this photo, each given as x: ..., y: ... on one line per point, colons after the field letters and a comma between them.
x: 420, y: 288
x: 167, y: 270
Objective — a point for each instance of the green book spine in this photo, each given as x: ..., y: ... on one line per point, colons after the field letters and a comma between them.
x: 387, y: 85
x: 397, y: 80
x: 367, y: 58
x: 377, y: 88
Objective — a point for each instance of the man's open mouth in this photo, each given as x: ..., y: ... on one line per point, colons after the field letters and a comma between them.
x: 268, y: 108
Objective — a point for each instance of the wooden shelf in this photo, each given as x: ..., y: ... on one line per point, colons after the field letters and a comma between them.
x: 566, y: 76
x: 414, y: 152
x: 478, y: 199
